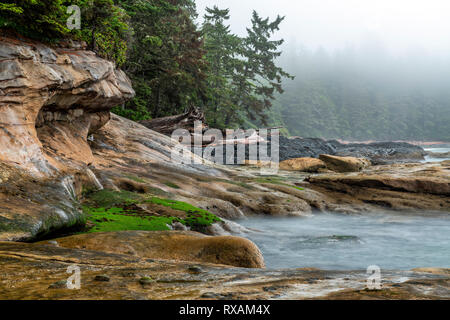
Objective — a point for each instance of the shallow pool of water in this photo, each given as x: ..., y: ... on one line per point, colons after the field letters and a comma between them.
x: 341, y: 242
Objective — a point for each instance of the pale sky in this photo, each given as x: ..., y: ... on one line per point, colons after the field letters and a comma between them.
x: 401, y: 25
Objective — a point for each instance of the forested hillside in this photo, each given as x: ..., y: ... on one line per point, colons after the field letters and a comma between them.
x: 363, y: 94
x: 176, y: 62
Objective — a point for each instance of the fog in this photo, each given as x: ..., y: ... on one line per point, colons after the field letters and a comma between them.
x: 364, y: 69
x: 401, y: 25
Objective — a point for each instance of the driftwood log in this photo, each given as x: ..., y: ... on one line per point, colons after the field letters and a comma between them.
x: 168, y: 125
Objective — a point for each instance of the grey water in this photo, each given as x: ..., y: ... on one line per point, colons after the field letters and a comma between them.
x: 343, y: 242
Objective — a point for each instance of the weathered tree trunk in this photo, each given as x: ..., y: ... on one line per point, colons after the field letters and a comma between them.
x: 168, y: 125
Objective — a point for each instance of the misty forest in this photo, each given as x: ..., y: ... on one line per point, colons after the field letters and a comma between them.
x: 364, y: 94
x: 178, y: 60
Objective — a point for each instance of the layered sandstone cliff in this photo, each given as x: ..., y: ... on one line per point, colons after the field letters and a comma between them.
x: 51, y: 99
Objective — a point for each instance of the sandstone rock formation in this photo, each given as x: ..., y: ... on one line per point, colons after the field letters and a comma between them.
x: 399, y: 187
x: 174, y: 245
x: 344, y: 164
x: 58, y: 139
x: 47, y: 162
x: 302, y: 164
x: 257, y: 163
x: 51, y: 99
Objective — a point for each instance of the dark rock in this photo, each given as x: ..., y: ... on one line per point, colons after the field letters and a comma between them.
x: 304, y: 147
x: 195, y: 269
x: 377, y: 152
x: 383, y: 152
x: 59, y: 285
x: 102, y: 278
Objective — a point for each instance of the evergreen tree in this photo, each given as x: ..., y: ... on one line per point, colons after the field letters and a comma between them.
x: 104, y: 26
x: 165, y: 58
x: 258, y: 77
x: 243, y: 73
x: 43, y: 20
x: 222, y: 49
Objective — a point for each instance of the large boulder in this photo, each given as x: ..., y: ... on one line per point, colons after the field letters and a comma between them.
x: 302, y: 164
x: 344, y: 164
x: 173, y: 245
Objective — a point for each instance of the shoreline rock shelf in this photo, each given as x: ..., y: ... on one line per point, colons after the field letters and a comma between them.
x: 39, y: 271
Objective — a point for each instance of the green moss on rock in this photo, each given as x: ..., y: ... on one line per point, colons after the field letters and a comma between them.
x: 109, y: 198
x: 118, y: 219
x: 109, y: 210
x: 135, y: 178
x: 172, y: 185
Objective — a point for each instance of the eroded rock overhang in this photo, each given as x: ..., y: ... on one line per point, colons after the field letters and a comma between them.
x: 51, y: 100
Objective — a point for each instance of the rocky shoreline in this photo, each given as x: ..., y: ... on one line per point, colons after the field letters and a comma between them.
x: 38, y: 271
x: 68, y: 166
x: 376, y: 152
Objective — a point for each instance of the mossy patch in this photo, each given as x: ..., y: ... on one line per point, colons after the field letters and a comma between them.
x: 109, y: 210
x: 110, y: 198
x: 135, y: 178
x: 172, y: 185
x: 119, y: 219
x: 159, y: 192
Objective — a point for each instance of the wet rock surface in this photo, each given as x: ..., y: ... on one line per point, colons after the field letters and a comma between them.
x: 29, y: 270
x: 397, y: 187
x: 59, y: 143
x: 439, y: 155
x: 291, y: 148
x: 382, y: 152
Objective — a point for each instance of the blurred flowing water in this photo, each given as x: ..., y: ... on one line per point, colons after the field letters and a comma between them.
x: 343, y: 242
x: 436, y: 150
